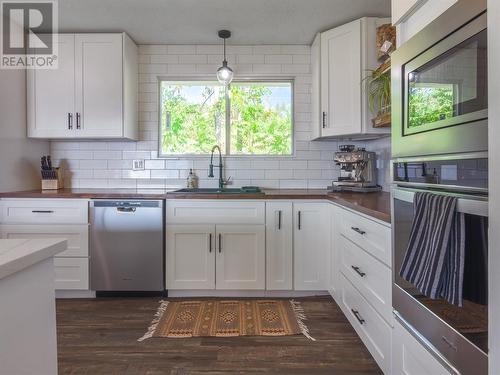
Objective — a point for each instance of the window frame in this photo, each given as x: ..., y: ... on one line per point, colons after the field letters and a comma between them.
x: 226, y: 153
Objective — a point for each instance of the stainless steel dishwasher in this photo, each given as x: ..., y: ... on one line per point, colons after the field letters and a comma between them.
x: 126, y: 245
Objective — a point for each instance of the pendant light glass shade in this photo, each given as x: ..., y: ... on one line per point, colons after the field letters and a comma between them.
x: 225, y: 73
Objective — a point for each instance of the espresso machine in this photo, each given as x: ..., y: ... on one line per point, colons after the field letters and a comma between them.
x: 357, y: 170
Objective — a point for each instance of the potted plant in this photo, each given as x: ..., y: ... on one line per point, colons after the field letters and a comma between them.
x: 379, y: 97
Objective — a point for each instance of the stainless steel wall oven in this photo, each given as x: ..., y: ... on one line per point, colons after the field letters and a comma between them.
x: 457, y: 336
x: 439, y: 85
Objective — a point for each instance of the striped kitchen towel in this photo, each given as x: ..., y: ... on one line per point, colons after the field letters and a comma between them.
x: 434, y: 259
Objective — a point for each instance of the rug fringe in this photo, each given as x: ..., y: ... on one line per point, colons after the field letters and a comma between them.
x: 154, y: 323
x: 301, y: 317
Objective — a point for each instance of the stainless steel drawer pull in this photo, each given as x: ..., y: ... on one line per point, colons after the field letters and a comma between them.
x: 220, y: 243
x: 42, y: 211
x: 362, y: 274
x: 70, y: 121
x: 279, y: 220
x: 210, y: 243
x: 78, y: 117
x: 357, y: 230
x: 324, y: 120
x: 299, y: 221
x: 358, y: 317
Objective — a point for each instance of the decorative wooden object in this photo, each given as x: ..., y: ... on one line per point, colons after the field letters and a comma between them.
x: 385, y: 34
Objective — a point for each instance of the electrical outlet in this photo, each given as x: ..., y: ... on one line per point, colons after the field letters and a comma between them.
x: 138, y: 165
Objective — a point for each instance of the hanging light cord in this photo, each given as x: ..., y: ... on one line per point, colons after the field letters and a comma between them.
x: 225, y: 61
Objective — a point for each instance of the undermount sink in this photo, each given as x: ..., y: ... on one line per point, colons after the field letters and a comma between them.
x: 243, y: 190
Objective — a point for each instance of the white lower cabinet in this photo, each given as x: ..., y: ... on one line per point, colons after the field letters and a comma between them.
x: 190, y: 256
x: 279, y: 246
x: 409, y: 357
x: 240, y: 259
x: 371, y: 328
x: 71, y: 273
x: 53, y: 218
x: 311, y: 237
x: 208, y: 256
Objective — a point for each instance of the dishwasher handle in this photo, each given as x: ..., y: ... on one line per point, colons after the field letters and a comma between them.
x: 126, y: 209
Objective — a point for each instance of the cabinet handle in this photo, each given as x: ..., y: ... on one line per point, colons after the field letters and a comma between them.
x: 210, y: 243
x: 356, y: 314
x: 78, y: 126
x: 357, y: 230
x: 70, y: 121
x: 357, y: 270
x: 324, y: 119
x: 42, y: 211
x: 279, y: 220
x: 299, y: 220
x: 220, y: 243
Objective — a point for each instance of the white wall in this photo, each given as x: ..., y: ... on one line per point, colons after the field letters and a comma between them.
x: 109, y: 164
x: 494, y: 182
x: 19, y: 156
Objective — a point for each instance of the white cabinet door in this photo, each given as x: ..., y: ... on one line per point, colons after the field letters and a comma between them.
x: 241, y: 261
x: 71, y: 273
x: 409, y: 357
x: 99, y: 80
x: 341, y: 80
x: 333, y: 260
x: 190, y: 256
x: 279, y: 246
x: 51, y: 95
x: 311, y: 243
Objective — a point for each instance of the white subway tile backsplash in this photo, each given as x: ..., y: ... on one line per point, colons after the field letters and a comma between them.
x: 98, y: 164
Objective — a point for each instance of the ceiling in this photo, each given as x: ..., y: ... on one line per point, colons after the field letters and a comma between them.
x: 197, y: 21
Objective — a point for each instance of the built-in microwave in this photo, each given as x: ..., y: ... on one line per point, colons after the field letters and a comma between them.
x: 440, y: 86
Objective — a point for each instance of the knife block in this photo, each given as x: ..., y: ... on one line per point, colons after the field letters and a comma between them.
x: 55, y: 182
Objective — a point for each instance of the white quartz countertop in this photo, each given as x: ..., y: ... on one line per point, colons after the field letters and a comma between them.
x: 18, y: 254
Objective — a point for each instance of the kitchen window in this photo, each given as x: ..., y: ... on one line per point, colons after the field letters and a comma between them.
x: 246, y: 118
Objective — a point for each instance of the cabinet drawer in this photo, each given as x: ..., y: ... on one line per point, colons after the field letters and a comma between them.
x: 76, y: 235
x: 371, y: 328
x: 44, y: 211
x: 215, y: 212
x: 370, y: 276
x: 71, y: 273
x: 368, y: 234
x: 409, y: 357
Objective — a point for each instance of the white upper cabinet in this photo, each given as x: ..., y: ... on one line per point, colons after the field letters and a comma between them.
x: 51, y: 95
x: 341, y: 59
x: 93, y: 93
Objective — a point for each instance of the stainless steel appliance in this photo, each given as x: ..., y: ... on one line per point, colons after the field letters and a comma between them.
x: 126, y: 245
x: 439, y: 85
x: 457, y: 336
x: 357, y: 170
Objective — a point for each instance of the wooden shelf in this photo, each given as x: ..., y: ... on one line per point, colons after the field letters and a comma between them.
x: 383, y: 68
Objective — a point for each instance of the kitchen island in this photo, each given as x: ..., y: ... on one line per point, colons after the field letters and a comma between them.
x: 28, y: 342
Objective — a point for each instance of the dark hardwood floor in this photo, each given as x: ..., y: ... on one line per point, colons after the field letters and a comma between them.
x: 100, y: 337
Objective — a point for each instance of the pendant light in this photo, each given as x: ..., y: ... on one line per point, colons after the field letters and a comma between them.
x: 224, y: 73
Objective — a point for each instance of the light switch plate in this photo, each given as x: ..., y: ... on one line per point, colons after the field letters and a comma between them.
x: 138, y: 165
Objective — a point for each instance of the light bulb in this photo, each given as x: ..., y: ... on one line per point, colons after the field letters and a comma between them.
x: 225, y: 74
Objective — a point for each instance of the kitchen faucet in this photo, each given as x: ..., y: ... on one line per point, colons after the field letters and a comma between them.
x: 222, y: 182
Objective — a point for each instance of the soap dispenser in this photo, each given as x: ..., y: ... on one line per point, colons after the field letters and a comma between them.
x: 191, y: 180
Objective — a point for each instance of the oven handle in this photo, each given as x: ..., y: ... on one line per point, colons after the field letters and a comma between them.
x: 425, y: 343
x: 467, y: 204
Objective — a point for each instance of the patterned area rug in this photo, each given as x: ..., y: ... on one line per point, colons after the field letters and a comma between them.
x: 227, y: 318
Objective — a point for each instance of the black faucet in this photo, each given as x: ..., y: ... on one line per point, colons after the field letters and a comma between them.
x: 222, y: 182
